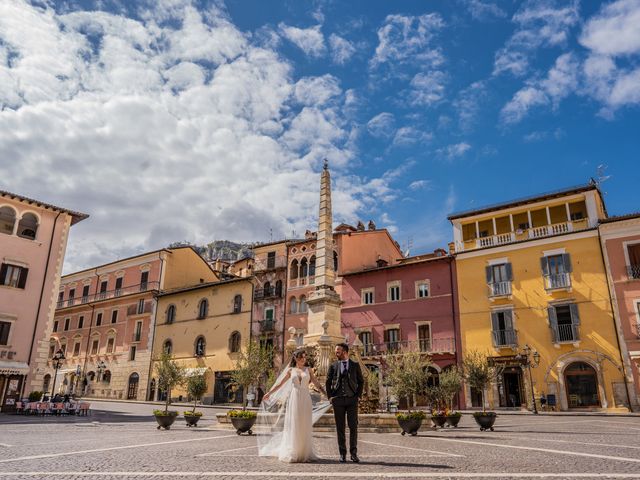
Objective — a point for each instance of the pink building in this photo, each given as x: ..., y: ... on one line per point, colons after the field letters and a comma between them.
x: 33, y: 240
x: 620, y: 239
x: 408, y: 305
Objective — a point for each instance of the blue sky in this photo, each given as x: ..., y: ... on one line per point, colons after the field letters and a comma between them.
x: 181, y: 120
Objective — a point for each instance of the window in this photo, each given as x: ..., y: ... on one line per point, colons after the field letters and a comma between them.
x: 393, y: 292
x: 200, y: 347
x: 424, y: 337
x: 52, y: 348
x: 114, y: 316
x: 67, y: 321
x: 80, y: 321
x: 60, y: 298
x: 72, y: 294
x: 367, y: 342
x: 294, y: 270
x: 366, y: 294
x: 279, y: 288
x: 85, y: 293
x: 556, y: 270
x: 266, y: 290
x: 76, y: 349
x: 55, y: 325
x: 237, y: 304
x: 110, y: 344
x: 293, y: 305
x: 103, y: 289
x: 499, y: 279
x: 302, y: 307
x: 144, y: 280
x: 7, y: 220
x: 4, y: 333
x: 63, y: 346
x: 118, y: 291
x: 335, y: 261
x: 98, y: 319
x: 167, y: 347
x: 140, y: 306
x: 95, y: 345
x: 392, y: 339
x: 304, y: 268
x: 633, y: 267
x: 271, y: 260
x: 132, y: 353
x: 234, y: 342
x: 106, y: 376
x: 312, y: 266
x: 502, y: 328
x: 13, y: 276
x: 171, y: 314
x: 422, y: 289
x: 564, y: 321
x: 203, y: 307
x: 137, y: 335
x: 28, y: 226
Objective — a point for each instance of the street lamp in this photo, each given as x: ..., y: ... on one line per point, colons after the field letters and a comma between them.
x: 58, y: 359
x: 530, y: 359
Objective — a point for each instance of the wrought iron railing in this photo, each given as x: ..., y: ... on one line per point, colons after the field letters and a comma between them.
x: 262, y: 293
x: 146, y: 286
x: 504, y: 338
x: 633, y: 271
x: 556, y: 281
x: 499, y: 289
x: 566, y: 332
x: 435, y: 345
x: 267, y: 325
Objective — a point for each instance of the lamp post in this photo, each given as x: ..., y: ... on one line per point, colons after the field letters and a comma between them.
x: 530, y: 359
x: 57, y: 359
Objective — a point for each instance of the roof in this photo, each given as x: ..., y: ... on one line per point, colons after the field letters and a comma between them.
x: 405, y: 263
x: 198, y: 286
x: 275, y: 242
x: 75, y: 216
x: 619, y: 218
x: 525, y: 200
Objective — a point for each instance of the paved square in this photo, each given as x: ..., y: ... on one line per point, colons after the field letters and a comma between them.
x: 125, y: 445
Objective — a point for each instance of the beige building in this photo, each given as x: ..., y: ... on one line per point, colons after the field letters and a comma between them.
x: 204, y: 326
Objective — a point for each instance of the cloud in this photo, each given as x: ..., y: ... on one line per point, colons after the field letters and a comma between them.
x: 341, y: 49
x: 540, y: 135
x: 614, y: 30
x: 453, y: 151
x: 419, y: 185
x: 427, y: 88
x: 467, y: 104
x: 160, y: 140
x: 309, y: 40
x: 483, y: 10
x: 382, y: 125
x: 407, y: 136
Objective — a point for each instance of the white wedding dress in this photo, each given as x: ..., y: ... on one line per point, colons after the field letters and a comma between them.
x: 289, y: 420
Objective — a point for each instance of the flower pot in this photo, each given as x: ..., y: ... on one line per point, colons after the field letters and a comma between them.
x: 165, y: 421
x: 192, y: 420
x: 439, y: 420
x: 410, y: 425
x: 485, y: 420
x: 243, y: 425
x: 453, y: 420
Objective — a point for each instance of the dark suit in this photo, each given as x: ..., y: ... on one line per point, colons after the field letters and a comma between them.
x: 345, y: 389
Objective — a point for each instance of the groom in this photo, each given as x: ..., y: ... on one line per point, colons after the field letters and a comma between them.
x: 344, y: 388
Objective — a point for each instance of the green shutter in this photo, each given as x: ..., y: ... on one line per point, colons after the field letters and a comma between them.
x: 544, y: 264
x: 489, y: 274
x: 22, y: 280
x: 575, y: 317
x: 553, y: 323
x: 566, y: 259
x: 509, y: 270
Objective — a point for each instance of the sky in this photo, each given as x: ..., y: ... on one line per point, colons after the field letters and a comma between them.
x: 186, y: 120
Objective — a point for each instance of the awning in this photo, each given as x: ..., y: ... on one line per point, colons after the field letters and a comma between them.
x: 64, y: 371
x: 189, y: 372
x: 13, y: 368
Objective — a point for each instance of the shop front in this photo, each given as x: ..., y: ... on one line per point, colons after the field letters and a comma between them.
x: 510, y: 381
x: 12, y: 377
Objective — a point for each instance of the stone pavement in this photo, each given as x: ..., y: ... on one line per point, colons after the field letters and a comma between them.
x: 123, y: 443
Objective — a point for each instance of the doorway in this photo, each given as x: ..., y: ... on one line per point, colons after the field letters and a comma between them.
x: 582, y: 385
x: 132, y: 390
x: 512, y: 391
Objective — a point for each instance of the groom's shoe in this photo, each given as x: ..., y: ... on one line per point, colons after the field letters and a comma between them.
x: 354, y: 458
x: 343, y: 458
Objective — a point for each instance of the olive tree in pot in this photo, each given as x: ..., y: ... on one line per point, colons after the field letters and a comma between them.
x: 478, y: 372
x: 406, y: 374
x: 196, y: 388
x: 450, y: 381
x: 251, y: 364
x: 169, y: 375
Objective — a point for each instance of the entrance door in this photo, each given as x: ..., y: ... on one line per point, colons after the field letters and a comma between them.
x: 152, y: 390
x: 512, y: 380
x: 132, y: 391
x: 582, y: 385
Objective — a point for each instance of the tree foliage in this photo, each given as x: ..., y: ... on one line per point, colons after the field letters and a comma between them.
x: 196, y: 387
x: 406, y: 374
x: 478, y: 371
x: 169, y: 375
x: 252, y: 362
x: 450, y: 381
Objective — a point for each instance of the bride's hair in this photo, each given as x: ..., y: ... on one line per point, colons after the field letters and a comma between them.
x: 297, y: 354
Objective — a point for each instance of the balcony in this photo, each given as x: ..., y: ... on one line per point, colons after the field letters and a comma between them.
x: 550, y: 230
x: 633, y: 271
x: 499, y: 289
x: 302, y: 282
x: 263, y: 294
x: 430, y: 346
x: 120, y: 292
x: 267, y: 326
x: 265, y: 264
x: 504, y: 338
x: 495, y: 240
x: 566, y: 333
x: 557, y: 281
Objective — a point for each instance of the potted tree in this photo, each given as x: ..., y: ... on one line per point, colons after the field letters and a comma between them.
x: 406, y: 374
x: 438, y: 405
x: 479, y: 372
x: 196, y: 388
x: 169, y: 375
x: 450, y: 383
x: 251, y: 364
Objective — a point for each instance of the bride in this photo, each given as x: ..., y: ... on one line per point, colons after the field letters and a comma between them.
x: 288, y: 413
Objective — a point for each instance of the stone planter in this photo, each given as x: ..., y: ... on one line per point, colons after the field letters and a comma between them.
x: 439, y: 420
x: 410, y: 425
x: 165, y: 421
x: 192, y: 420
x: 485, y: 420
x: 243, y: 425
x: 453, y: 420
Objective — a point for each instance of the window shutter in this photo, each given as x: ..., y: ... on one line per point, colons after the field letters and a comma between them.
x: 3, y: 273
x: 386, y: 336
x: 544, y: 264
x: 553, y: 323
x: 575, y: 317
x: 494, y: 321
x: 22, y: 280
x: 508, y: 319
x: 489, y: 273
x: 566, y: 259
x: 509, y: 271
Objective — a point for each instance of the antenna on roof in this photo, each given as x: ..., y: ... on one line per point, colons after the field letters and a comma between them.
x: 271, y: 234
x: 600, y: 174
x: 409, y: 246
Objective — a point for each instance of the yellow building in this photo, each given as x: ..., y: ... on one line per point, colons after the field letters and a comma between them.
x: 530, y: 273
x: 204, y: 326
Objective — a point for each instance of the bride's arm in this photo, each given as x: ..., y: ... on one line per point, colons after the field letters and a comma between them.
x: 313, y: 379
x: 275, y: 388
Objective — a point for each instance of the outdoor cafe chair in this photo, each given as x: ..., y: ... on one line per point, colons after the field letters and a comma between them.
x: 19, y: 407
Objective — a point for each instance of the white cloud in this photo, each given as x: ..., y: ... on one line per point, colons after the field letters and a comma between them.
x: 427, y: 88
x: 419, y: 184
x: 451, y: 152
x: 382, y: 125
x: 467, y: 104
x: 160, y: 140
x: 614, y: 30
x: 407, y: 136
x: 540, y: 135
x: 485, y: 10
x: 341, y: 49
x: 309, y: 40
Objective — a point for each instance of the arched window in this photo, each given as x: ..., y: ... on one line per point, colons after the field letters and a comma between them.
x: 237, y: 304
x: 304, y: 270
x: 294, y: 269
x: 266, y: 290
x: 312, y: 266
x: 234, y: 342
x: 28, y: 226
x: 171, y: 314
x: 203, y: 308
x: 167, y: 347
x: 91, y: 376
x: 106, y: 376
x: 335, y: 261
x: 293, y: 305
x: 200, y: 346
x: 279, y: 288
x: 46, y: 382
x: 7, y: 220
x: 302, y: 308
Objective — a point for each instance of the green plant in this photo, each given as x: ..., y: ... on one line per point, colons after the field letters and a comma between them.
x: 406, y: 374
x: 485, y: 414
x: 478, y: 371
x: 192, y: 414
x: 242, y: 414
x: 250, y: 365
x: 450, y: 382
x: 35, y: 396
x: 454, y: 414
x: 165, y: 413
x: 413, y: 415
x: 196, y: 388
x: 169, y: 375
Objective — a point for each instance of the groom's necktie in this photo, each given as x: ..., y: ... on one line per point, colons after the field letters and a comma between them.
x: 344, y: 366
